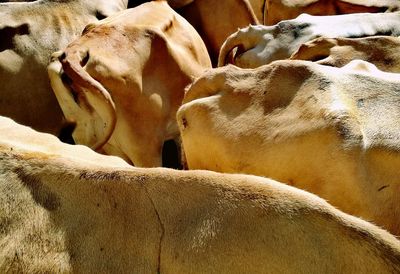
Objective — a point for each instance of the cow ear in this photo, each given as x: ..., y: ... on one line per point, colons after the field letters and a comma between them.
x: 92, y: 119
x: 8, y: 33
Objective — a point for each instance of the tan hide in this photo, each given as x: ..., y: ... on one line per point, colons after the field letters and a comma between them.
x: 29, y: 34
x: 334, y: 132
x: 67, y: 215
x: 382, y: 51
x: 279, y: 10
x: 124, y: 79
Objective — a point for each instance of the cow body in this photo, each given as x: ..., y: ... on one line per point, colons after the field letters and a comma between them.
x: 126, y: 80
x: 260, y: 45
x: 96, y: 214
x: 382, y: 51
x: 279, y: 10
x: 258, y: 8
x: 30, y: 33
x: 333, y: 132
x: 216, y: 20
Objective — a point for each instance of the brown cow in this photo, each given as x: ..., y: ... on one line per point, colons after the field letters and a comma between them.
x: 382, y: 51
x: 216, y: 20
x: 124, y: 79
x: 334, y: 132
x: 258, y: 8
x: 68, y: 209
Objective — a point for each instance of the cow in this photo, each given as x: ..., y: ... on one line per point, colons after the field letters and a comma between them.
x: 382, y: 51
x: 216, y: 20
x: 279, y: 10
x: 122, y: 82
x: 258, y: 8
x: 331, y: 131
x: 260, y: 45
x: 30, y: 33
x: 62, y: 213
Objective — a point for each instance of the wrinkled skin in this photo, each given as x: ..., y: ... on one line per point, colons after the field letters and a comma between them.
x: 333, y: 132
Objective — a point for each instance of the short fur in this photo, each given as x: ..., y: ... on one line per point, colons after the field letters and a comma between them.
x: 29, y: 34
x: 334, y: 132
x: 279, y: 10
x: 59, y: 214
x: 126, y: 78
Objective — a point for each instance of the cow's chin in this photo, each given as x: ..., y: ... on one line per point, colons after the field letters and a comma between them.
x: 76, y: 109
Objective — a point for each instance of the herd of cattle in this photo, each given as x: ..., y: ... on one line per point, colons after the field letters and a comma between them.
x: 303, y: 92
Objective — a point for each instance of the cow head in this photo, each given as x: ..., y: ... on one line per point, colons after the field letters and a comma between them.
x: 124, y: 79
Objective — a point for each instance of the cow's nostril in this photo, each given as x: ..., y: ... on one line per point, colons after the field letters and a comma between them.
x: 85, y: 59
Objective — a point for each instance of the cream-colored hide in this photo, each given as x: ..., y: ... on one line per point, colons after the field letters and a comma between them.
x: 29, y: 34
x: 279, y: 10
x: 123, y: 81
x: 382, y: 51
x: 260, y: 45
x: 334, y: 132
x: 68, y: 209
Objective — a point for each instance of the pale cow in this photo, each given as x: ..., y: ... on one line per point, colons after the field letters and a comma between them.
x: 95, y: 214
x: 382, y: 51
x: 334, y: 132
x: 124, y: 79
x: 29, y: 34
x: 260, y: 45
x: 279, y: 10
